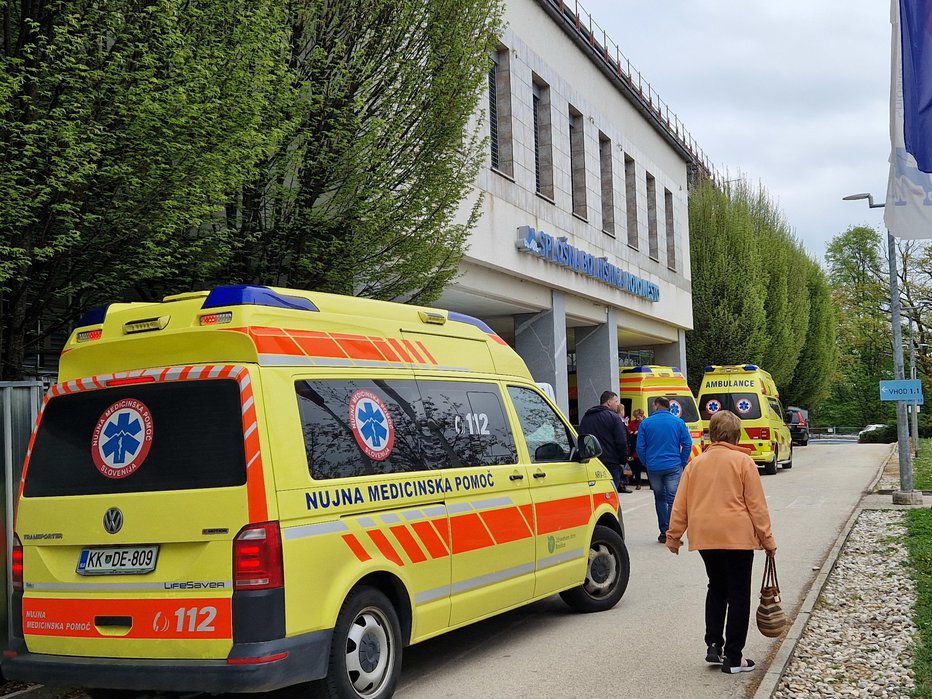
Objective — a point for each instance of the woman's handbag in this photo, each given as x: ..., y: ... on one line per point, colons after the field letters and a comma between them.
x: 771, y: 619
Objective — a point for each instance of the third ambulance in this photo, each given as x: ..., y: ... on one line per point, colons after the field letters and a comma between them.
x: 750, y: 393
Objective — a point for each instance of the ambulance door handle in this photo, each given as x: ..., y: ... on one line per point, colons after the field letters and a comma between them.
x: 516, y: 477
x: 540, y: 474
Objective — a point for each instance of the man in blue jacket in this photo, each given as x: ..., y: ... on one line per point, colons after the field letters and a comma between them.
x: 603, y: 422
x: 664, y: 446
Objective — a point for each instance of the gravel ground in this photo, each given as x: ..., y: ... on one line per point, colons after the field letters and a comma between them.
x: 859, y: 639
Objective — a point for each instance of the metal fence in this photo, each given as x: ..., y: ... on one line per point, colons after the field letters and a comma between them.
x: 20, y: 402
x: 834, y: 432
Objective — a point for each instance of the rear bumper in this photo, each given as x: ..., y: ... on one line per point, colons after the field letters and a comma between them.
x: 305, y: 659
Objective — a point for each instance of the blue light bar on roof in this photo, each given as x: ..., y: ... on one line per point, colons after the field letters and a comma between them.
x: 676, y: 368
x: 709, y: 368
x: 95, y: 316
x: 463, y: 318
x: 750, y: 367
x: 247, y: 295
x: 641, y: 370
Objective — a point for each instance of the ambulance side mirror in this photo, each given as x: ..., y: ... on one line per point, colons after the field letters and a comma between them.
x: 589, y: 448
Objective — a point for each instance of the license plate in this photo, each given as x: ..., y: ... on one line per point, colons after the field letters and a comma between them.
x: 121, y: 560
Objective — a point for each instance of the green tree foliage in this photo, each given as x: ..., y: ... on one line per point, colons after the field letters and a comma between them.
x: 729, y: 286
x: 856, y: 264
x: 757, y: 297
x: 156, y: 145
x: 361, y: 197
x: 812, y: 378
x: 122, y: 124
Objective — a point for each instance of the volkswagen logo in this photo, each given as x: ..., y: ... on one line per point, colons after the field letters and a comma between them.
x: 113, y: 520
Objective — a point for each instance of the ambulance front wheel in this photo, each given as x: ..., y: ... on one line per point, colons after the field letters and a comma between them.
x: 606, y: 574
x: 365, y: 656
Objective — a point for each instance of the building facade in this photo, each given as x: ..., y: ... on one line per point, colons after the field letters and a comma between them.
x: 581, y: 257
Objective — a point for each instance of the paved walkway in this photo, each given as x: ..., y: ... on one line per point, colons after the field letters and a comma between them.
x: 871, y: 500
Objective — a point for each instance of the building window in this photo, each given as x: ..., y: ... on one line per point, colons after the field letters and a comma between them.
x: 577, y: 163
x: 631, y: 201
x: 500, y: 133
x: 608, y: 189
x: 671, y: 234
x: 653, y: 245
x: 543, y: 139
x: 493, y: 113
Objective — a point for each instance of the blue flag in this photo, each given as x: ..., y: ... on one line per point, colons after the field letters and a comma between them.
x: 916, y: 38
x: 908, y: 209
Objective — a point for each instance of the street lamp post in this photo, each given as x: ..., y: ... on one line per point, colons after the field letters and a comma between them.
x: 905, y: 495
x: 914, y: 406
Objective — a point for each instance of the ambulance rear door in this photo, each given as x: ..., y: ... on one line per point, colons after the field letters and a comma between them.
x: 133, y: 493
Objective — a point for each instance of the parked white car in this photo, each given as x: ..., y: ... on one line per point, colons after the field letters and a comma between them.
x: 870, y: 428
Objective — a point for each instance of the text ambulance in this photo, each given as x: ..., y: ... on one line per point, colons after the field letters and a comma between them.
x: 249, y: 488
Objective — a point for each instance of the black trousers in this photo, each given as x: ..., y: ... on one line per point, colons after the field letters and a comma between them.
x: 729, y: 596
x: 636, y: 469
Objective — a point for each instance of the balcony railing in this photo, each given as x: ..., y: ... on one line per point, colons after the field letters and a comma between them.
x: 579, y: 20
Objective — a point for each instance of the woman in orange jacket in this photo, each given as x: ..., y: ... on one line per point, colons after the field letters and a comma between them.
x: 721, y: 502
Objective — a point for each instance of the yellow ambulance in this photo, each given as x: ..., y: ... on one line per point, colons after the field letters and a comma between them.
x: 641, y: 384
x: 252, y: 487
x: 750, y: 393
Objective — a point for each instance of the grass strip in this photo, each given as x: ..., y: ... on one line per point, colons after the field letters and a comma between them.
x: 919, y: 543
x: 922, y: 466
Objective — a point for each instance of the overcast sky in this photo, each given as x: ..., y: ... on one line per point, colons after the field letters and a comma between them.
x: 793, y: 94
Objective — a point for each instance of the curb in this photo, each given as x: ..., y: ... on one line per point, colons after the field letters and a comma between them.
x: 777, y: 667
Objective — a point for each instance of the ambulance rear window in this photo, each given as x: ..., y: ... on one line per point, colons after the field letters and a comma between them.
x: 744, y: 405
x: 178, y: 435
x: 683, y: 407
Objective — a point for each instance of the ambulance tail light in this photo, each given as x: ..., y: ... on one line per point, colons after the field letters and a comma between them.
x: 17, y: 564
x: 89, y: 335
x: 130, y: 380
x: 257, y: 557
x: 216, y: 318
x: 760, y: 433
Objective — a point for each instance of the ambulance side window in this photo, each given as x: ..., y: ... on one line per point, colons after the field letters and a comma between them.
x: 775, y: 410
x: 467, y: 424
x: 547, y: 436
x: 361, y: 427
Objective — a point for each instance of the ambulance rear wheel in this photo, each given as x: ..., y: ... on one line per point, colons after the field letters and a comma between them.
x: 365, y: 655
x: 606, y: 574
x: 770, y: 468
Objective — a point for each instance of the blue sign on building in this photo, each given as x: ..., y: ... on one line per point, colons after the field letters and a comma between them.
x: 560, y: 252
x: 909, y: 390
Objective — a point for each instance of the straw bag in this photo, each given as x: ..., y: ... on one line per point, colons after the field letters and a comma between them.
x: 771, y: 619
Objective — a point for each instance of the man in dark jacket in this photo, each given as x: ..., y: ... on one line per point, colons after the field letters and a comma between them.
x: 603, y: 422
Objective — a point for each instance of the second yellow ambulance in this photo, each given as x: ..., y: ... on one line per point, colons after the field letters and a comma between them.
x: 641, y: 384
